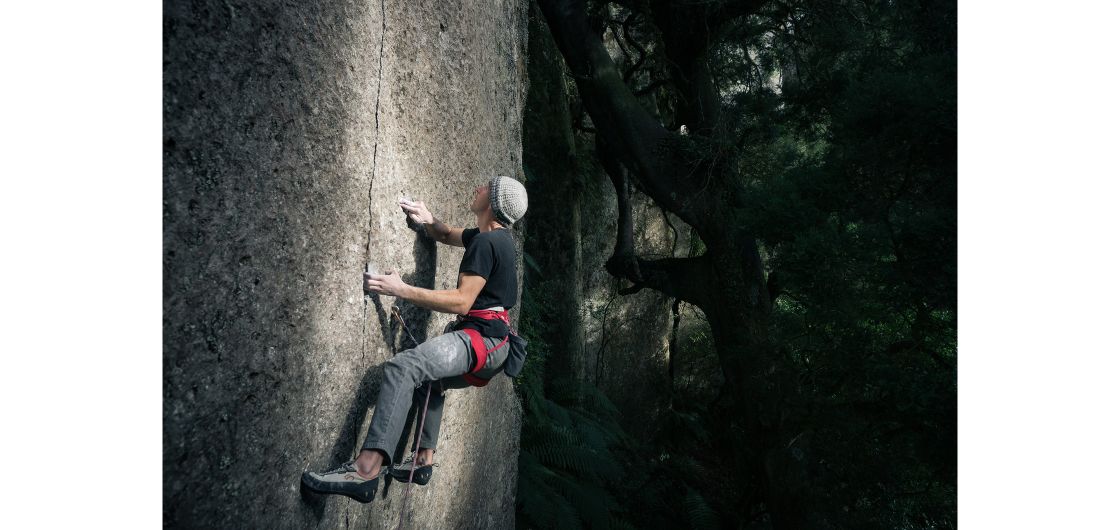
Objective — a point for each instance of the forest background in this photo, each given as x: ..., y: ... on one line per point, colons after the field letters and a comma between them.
x: 1058, y: 348
x: 783, y: 193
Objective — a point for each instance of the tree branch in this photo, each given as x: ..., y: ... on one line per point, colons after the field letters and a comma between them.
x: 688, y: 30
x: 622, y: 261
x: 634, y: 43
x: 733, y: 9
x: 657, y: 83
x: 634, y: 137
x: 677, y: 277
x: 613, y: 24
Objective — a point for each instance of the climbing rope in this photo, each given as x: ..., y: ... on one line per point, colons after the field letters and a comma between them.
x: 423, y: 415
x: 415, y: 449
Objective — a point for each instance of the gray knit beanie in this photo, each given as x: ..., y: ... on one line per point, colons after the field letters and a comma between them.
x: 508, y: 198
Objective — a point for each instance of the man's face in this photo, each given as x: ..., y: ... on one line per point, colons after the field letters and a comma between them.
x: 481, y: 199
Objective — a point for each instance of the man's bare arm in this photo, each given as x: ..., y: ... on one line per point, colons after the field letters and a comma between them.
x: 439, y: 231
x: 448, y: 235
x: 457, y: 301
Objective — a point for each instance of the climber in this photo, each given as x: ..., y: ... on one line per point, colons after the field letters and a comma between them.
x: 479, y: 346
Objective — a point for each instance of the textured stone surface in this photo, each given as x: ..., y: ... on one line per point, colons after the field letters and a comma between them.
x: 290, y: 128
x: 627, y: 336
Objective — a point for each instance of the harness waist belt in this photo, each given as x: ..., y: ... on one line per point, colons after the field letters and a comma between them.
x: 479, y: 346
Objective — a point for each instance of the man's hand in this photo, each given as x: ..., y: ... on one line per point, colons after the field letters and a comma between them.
x: 389, y: 283
x: 457, y: 301
x: 417, y: 212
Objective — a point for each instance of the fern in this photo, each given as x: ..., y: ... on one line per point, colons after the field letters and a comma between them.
x: 530, y: 466
x: 621, y: 524
x: 556, y: 412
x: 682, y: 428
x: 592, y: 502
x: 593, y: 436
x: 543, y: 507
x: 580, y: 395
x: 701, y: 515
x: 551, y: 432
x: 571, y: 449
x: 687, y: 467
x: 610, y: 430
x: 601, y: 404
x: 570, y: 458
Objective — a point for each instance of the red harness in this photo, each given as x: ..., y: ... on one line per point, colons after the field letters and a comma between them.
x: 479, y: 346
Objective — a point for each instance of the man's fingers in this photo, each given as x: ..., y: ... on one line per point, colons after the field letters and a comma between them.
x: 376, y: 281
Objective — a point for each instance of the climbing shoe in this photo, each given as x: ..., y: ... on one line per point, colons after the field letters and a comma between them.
x: 420, y: 476
x: 343, y: 481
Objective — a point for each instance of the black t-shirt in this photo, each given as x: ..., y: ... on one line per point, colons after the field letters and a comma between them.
x: 493, y: 256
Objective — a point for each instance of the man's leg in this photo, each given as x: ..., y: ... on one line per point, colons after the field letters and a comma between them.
x: 431, y: 395
x: 420, y: 470
x: 447, y: 355
x: 429, y: 434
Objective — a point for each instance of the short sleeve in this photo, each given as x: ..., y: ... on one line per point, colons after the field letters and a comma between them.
x: 468, y: 235
x: 479, y: 258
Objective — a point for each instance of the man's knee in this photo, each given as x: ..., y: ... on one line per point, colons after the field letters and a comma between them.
x: 396, y: 366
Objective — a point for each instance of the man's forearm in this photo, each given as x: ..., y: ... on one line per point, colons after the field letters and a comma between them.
x: 438, y: 230
x: 449, y: 301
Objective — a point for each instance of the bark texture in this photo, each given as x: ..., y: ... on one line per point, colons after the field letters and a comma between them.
x: 614, y: 342
x: 688, y: 176
x: 289, y: 132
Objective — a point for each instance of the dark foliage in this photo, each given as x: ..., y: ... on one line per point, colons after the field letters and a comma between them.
x: 839, y: 118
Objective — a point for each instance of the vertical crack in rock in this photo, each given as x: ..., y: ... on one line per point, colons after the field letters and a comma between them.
x: 265, y: 141
x: 373, y: 179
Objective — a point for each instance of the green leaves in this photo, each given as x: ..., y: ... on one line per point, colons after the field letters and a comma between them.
x: 567, y: 461
x: 842, y: 133
x: 701, y: 515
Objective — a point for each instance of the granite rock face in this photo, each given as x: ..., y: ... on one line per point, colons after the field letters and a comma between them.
x: 290, y: 130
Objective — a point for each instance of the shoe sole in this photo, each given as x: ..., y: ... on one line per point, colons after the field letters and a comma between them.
x: 363, y: 497
x: 418, y: 478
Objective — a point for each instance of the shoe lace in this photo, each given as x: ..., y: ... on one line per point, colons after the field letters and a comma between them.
x: 345, y: 467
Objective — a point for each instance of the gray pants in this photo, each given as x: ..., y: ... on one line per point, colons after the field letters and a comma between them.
x: 441, y: 361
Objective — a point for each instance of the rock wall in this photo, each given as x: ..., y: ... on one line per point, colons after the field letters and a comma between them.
x: 626, y: 347
x: 289, y: 131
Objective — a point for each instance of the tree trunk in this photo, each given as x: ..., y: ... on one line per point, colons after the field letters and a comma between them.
x: 553, y: 225
x: 728, y: 282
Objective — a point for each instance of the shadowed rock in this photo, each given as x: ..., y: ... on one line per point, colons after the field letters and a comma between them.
x: 290, y: 129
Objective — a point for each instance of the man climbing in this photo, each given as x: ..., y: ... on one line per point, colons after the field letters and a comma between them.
x: 477, y: 349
